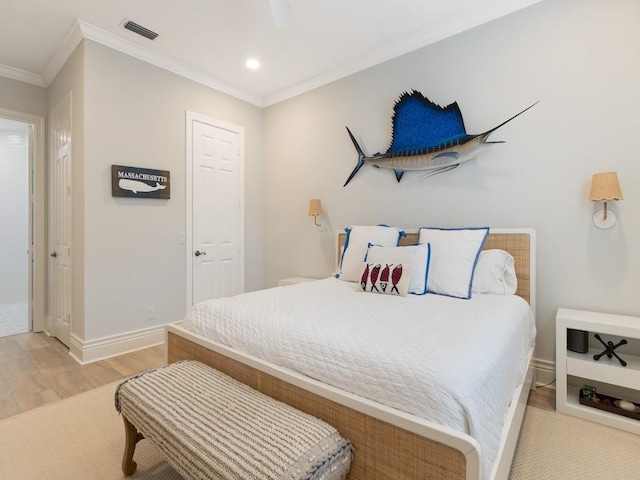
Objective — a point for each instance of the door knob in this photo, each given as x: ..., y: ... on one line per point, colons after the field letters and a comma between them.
x: 198, y: 253
x: 54, y: 254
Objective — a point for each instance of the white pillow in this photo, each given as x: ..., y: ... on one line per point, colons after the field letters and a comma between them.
x: 495, y: 273
x: 386, y: 279
x: 356, y: 245
x: 454, y: 253
x: 415, y: 255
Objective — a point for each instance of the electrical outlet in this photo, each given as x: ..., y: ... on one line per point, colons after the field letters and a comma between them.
x: 151, y: 313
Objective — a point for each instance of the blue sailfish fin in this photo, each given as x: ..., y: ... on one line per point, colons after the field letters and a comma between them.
x: 418, y: 123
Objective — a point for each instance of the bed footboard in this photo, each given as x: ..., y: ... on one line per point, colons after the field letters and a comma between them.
x: 382, y: 451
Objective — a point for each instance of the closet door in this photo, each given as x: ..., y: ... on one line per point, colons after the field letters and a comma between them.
x: 61, y: 220
x: 217, y: 266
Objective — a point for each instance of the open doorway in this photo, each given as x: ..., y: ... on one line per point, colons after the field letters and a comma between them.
x: 15, y: 275
x: 22, y: 256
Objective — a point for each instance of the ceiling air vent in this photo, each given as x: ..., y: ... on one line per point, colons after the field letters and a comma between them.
x: 140, y: 30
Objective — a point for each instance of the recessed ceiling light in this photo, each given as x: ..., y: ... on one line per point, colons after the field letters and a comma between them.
x: 252, y: 64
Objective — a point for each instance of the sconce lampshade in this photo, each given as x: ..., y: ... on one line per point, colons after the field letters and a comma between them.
x: 315, y: 207
x: 605, y: 187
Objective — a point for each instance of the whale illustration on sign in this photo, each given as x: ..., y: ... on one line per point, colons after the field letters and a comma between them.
x: 427, y: 137
x: 135, y: 186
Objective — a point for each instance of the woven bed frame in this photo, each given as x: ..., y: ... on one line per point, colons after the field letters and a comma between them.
x: 389, y: 444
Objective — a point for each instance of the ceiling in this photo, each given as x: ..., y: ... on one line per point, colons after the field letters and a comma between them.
x: 210, y: 40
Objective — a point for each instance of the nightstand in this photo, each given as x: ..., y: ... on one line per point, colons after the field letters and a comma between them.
x: 293, y: 280
x: 573, y: 370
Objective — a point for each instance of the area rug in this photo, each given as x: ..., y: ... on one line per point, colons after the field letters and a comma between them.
x: 78, y: 438
x: 554, y: 446
x: 82, y: 438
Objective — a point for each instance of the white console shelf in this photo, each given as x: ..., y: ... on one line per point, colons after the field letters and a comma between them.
x: 578, y: 368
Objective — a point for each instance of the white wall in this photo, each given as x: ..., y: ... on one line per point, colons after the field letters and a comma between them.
x: 579, y: 58
x: 23, y: 97
x: 14, y: 213
x: 135, y: 115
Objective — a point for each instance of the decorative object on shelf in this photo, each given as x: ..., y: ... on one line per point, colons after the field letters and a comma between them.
x: 588, y: 392
x: 626, y: 405
x: 425, y: 136
x: 577, y: 340
x: 605, y: 187
x: 315, y: 211
x: 590, y: 398
x: 140, y: 182
x: 609, y: 348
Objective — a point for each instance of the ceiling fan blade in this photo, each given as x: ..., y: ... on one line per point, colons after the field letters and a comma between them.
x: 281, y: 12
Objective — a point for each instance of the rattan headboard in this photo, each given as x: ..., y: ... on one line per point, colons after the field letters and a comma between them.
x: 519, y: 242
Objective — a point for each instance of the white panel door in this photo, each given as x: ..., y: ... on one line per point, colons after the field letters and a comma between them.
x: 217, y: 266
x: 61, y: 221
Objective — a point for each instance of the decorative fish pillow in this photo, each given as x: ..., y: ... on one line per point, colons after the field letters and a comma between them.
x: 386, y: 279
x: 416, y: 256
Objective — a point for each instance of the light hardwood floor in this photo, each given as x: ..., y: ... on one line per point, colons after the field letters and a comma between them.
x: 36, y: 369
x: 543, y: 397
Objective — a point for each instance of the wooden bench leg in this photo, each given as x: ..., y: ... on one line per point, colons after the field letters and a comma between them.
x: 132, y: 437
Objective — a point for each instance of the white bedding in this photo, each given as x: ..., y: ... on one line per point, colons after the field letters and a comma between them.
x: 455, y: 362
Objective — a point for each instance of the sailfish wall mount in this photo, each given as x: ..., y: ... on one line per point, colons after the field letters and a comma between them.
x: 426, y: 137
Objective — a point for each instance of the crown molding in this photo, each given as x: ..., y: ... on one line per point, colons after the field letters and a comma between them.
x: 127, y: 47
x: 83, y: 30
x: 22, y: 75
x: 402, y: 47
x: 62, y: 53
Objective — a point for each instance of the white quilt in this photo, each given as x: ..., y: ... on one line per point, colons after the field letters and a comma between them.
x: 455, y: 362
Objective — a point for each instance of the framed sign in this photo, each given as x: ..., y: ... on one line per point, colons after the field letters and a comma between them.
x: 140, y: 182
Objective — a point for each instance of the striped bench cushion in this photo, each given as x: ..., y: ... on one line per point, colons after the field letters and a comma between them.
x: 210, y: 426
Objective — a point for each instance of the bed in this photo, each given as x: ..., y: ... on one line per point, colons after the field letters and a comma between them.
x: 391, y: 441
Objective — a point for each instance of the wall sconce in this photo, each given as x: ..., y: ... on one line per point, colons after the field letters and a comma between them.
x: 605, y: 187
x: 315, y: 210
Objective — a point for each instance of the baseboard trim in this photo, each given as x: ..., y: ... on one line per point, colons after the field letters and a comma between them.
x: 89, y: 351
x: 545, y: 371
x: 48, y: 325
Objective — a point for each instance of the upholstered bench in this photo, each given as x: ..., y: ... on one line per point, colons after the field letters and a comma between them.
x: 210, y: 426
